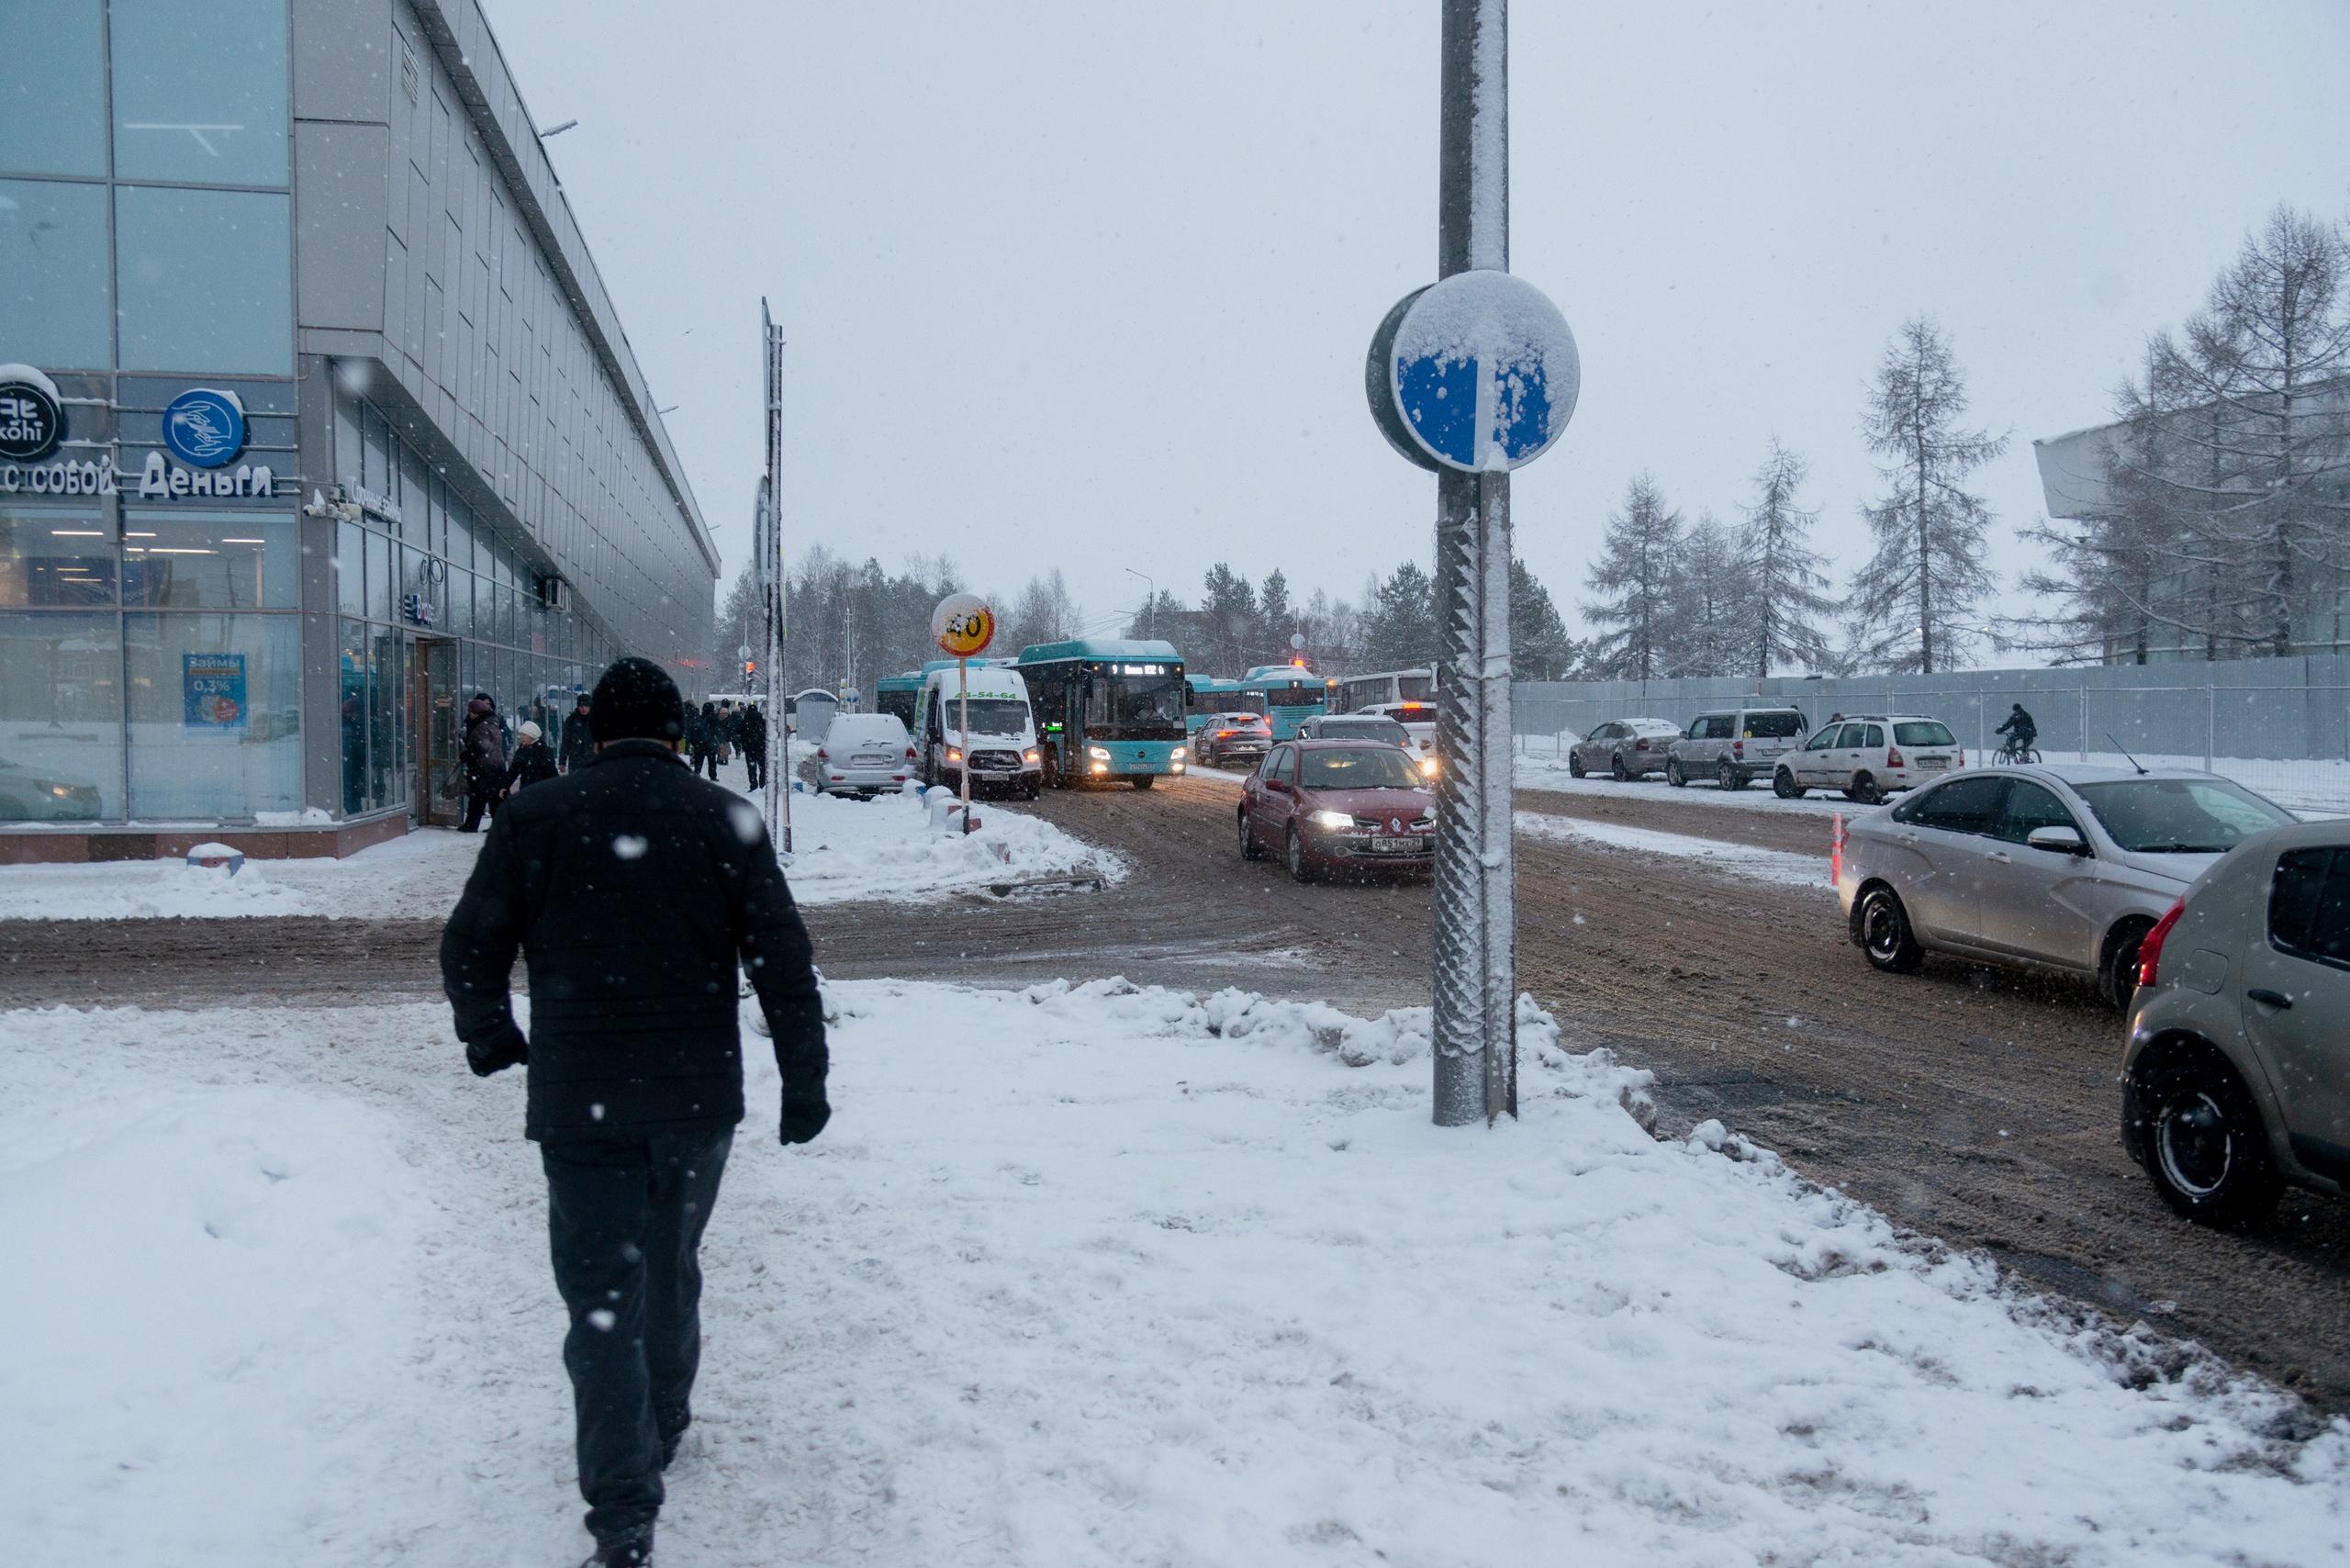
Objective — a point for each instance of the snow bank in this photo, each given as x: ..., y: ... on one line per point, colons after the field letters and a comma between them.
x: 847, y: 850
x: 1777, y: 867
x: 210, y: 1315
x: 1085, y: 1273
x: 884, y: 848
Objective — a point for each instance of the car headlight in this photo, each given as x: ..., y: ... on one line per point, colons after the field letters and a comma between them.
x: 1427, y: 768
x: 1099, y: 753
x: 954, y: 755
x: 1333, y: 821
x: 62, y: 791
x: 1032, y: 754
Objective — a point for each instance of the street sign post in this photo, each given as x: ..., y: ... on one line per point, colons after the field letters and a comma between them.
x: 1470, y: 377
x: 963, y: 625
x: 767, y: 561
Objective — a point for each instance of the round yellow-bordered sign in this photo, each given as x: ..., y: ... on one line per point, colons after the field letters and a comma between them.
x: 963, y: 626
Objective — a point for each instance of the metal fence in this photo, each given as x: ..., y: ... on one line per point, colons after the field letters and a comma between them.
x: 2278, y: 726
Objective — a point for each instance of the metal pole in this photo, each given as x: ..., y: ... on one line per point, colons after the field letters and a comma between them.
x: 1475, y: 980
x: 778, y: 781
x: 963, y: 679
x: 2210, y: 717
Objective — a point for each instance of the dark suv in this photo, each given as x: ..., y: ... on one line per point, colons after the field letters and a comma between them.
x: 1227, y: 739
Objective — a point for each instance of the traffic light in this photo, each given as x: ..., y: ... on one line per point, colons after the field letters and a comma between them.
x: 750, y: 669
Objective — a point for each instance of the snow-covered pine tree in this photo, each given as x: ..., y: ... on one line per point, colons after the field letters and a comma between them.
x: 1631, y: 586
x: 1915, y: 600
x: 1708, y: 591
x: 1785, y: 601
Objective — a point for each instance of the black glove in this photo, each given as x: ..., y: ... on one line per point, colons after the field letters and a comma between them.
x: 505, y: 1049
x: 803, y: 1119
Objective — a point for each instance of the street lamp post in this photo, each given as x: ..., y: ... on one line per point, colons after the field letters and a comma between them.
x: 1150, y: 602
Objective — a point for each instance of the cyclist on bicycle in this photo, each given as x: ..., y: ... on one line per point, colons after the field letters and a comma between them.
x: 2021, y: 732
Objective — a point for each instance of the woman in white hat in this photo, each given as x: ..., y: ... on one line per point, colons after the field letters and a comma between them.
x: 533, y: 762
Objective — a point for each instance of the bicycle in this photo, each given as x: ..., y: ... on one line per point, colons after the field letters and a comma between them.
x: 2014, y: 753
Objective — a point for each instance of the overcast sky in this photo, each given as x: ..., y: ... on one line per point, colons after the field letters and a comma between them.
x: 1089, y: 284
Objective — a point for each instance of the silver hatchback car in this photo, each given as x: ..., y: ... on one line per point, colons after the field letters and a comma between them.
x: 2236, y: 1079
x: 2064, y: 869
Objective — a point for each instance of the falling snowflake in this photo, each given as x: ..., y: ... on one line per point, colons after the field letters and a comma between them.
x: 628, y: 847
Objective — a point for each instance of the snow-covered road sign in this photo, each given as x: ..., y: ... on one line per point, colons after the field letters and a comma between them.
x: 1477, y: 372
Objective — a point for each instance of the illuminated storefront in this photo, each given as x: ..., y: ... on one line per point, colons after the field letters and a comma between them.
x: 314, y: 419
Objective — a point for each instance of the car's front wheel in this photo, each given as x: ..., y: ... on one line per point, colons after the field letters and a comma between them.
x: 2204, y: 1147
x: 1885, y: 935
x: 1293, y: 856
x: 1574, y: 764
x: 1674, y: 776
x: 1784, y: 785
x: 1249, y: 850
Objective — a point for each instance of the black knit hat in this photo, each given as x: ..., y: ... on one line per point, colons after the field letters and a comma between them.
x: 636, y: 700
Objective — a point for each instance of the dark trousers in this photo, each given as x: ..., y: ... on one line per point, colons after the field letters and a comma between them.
x: 477, y: 801
x: 705, y: 760
x: 754, y: 762
x: 625, y: 1218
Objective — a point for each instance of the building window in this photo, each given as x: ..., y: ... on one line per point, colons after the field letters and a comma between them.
x: 61, y: 717
x: 204, y: 281
x: 216, y: 723
x: 199, y: 91
x: 52, y: 560
x: 53, y: 107
x: 210, y: 560
x: 55, y: 310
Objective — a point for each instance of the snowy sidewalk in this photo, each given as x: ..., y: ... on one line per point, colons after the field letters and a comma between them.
x: 847, y: 850
x: 1100, y: 1277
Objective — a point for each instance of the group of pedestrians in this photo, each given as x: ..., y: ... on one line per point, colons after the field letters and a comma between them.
x: 491, y: 771
x: 640, y: 894
x: 720, y: 730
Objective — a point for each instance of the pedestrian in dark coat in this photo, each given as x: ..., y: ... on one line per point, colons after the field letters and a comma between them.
x: 634, y: 890
x: 483, y: 755
x: 702, y: 739
x: 579, y: 739
x: 531, y: 763
x: 755, y: 744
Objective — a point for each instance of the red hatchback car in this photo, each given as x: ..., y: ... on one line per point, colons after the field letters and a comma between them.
x: 1338, y: 805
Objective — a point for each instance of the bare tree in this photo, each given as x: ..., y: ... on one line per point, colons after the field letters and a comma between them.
x: 2225, y: 521
x: 1631, y: 584
x: 1915, y: 600
x: 1043, y: 612
x: 1785, y: 597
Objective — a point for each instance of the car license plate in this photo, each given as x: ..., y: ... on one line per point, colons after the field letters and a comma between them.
x: 1933, y: 762
x: 1397, y: 846
x: 865, y: 761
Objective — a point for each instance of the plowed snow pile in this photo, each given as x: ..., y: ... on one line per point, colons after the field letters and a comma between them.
x: 847, y: 850
x: 1078, y: 1275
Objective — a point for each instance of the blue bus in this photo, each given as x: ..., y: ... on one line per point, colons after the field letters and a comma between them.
x: 1208, y: 695
x: 1287, y: 695
x: 896, y: 694
x: 1106, y: 709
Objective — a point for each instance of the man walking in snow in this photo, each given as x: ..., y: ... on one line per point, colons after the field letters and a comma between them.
x: 635, y: 888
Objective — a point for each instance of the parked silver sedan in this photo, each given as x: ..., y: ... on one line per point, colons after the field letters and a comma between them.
x: 1624, y: 748
x: 2063, y: 869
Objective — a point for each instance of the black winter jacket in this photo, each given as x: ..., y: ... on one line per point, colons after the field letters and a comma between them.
x: 578, y: 743
x: 532, y: 763
x: 632, y: 888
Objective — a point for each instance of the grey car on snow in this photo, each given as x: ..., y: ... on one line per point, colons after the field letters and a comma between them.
x: 2062, y: 868
x: 1733, y: 746
x: 1624, y: 748
x: 2236, y: 1079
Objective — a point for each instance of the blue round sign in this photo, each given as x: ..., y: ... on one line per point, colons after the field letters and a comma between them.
x: 1477, y: 372
x: 205, y: 427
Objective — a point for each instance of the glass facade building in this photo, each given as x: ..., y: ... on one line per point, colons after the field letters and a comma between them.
x: 315, y: 420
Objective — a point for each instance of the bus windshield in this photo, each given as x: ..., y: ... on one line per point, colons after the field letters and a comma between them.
x: 990, y: 715
x: 1136, y: 707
